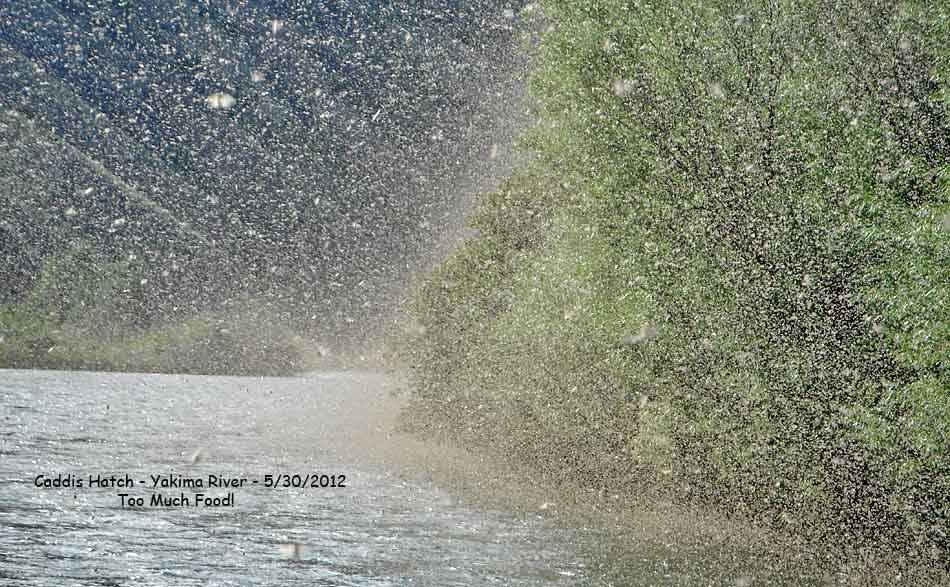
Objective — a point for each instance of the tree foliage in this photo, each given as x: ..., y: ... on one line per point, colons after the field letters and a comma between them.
x: 734, y: 274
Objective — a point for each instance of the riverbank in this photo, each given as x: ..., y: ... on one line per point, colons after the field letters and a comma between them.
x: 646, y: 533
x: 203, y: 344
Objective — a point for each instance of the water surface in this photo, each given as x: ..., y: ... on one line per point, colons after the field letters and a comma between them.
x: 383, y: 528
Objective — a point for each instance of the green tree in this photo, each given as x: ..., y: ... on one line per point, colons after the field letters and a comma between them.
x: 752, y: 193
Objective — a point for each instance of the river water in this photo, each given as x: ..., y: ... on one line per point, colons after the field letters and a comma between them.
x: 385, y: 527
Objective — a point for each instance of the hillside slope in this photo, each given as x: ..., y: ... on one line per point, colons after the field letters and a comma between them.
x: 279, y: 156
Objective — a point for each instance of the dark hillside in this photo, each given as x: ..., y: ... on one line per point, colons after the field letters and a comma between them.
x: 291, y: 154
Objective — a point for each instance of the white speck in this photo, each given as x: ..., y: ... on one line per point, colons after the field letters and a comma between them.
x: 509, y: 13
x: 716, y: 91
x: 118, y: 222
x: 220, y: 100
x: 70, y: 211
x: 88, y: 191
x: 291, y: 550
x: 196, y: 456
x: 376, y: 116
x: 274, y: 26
x: 257, y: 76
x: 622, y: 88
